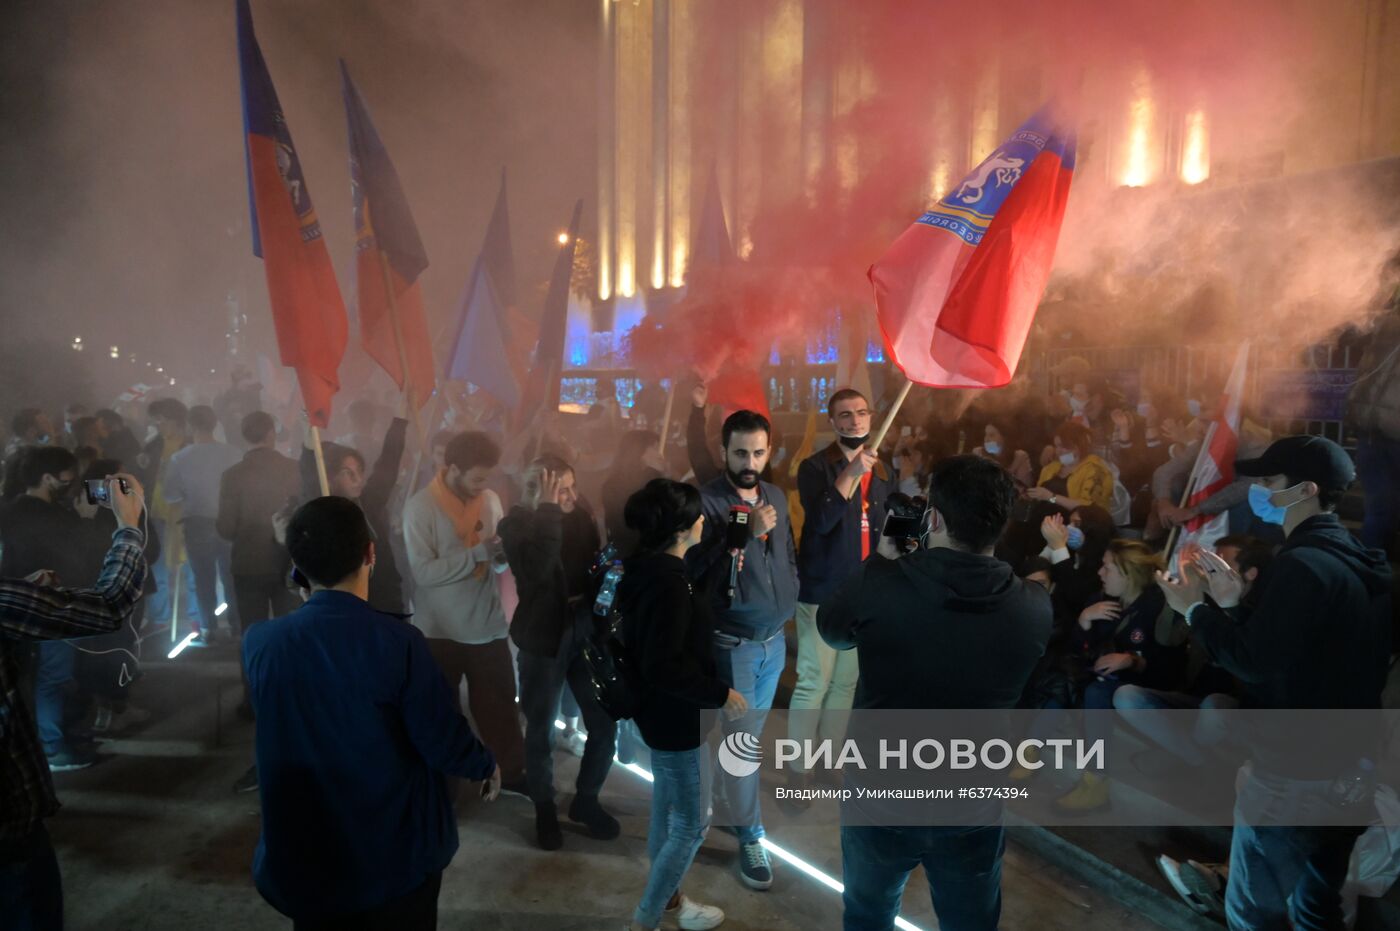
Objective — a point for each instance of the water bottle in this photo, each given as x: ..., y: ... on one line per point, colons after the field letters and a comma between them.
x: 1356, y: 788
x: 607, y: 592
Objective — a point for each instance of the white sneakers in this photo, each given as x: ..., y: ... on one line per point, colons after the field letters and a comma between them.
x: 692, y: 916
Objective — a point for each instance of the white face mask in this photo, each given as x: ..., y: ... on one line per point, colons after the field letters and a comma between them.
x: 1068, y: 460
x: 993, y: 448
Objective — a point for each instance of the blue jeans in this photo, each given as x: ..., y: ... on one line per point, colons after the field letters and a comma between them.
x: 1149, y: 711
x: 752, y: 669
x: 31, y: 888
x: 1280, y: 874
x: 963, y: 866
x: 50, y: 684
x: 1378, y: 467
x: 679, y: 819
x: 209, y: 562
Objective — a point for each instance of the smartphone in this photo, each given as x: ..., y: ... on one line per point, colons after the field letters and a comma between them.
x: 98, y: 491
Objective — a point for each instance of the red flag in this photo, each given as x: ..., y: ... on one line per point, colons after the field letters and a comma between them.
x: 307, y: 311
x: 957, y: 291
x: 1215, y: 463
x: 389, y: 257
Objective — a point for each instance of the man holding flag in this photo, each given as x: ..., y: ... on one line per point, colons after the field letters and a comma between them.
x: 952, y: 626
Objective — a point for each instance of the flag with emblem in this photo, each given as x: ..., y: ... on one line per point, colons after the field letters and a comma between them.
x: 957, y: 291
x: 1215, y: 463
x: 308, y: 313
x: 389, y: 257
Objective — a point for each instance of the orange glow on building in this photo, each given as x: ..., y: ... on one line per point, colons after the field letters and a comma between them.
x: 1139, y: 162
x: 1195, y: 150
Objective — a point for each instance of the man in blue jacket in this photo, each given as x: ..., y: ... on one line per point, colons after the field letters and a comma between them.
x: 357, y: 732
x: 750, y: 650
x: 843, y: 490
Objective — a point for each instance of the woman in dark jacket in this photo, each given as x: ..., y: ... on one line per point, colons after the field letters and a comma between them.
x: 550, y: 541
x: 667, y: 628
x: 1126, y: 636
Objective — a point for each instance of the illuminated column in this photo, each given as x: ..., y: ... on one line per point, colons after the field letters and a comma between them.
x: 607, y: 141
x: 748, y: 130
x: 816, y: 97
x: 945, y: 135
x: 682, y: 37
x: 660, y: 166
x: 1195, y: 148
x: 1141, y: 158
x: 782, y: 91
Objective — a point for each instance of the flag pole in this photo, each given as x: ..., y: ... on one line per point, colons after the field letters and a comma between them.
x: 666, y: 418
x: 874, y: 443
x: 320, y: 460
x: 399, y: 344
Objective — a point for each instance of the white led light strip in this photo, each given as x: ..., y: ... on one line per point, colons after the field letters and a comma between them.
x: 787, y: 856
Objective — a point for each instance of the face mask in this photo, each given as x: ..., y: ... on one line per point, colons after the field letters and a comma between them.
x: 1144, y: 409
x: 1261, y: 503
x: 895, y: 461
x: 993, y: 448
x: 1076, y: 537
x: 853, y: 442
x: 1068, y: 460
x: 1076, y: 405
x: 1193, y: 408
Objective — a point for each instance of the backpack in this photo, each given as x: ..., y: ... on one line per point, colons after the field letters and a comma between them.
x: 605, y: 655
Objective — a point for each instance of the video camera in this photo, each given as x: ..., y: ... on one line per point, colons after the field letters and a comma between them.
x: 904, y: 519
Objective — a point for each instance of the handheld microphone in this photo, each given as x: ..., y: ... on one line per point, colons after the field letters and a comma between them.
x: 736, y: 537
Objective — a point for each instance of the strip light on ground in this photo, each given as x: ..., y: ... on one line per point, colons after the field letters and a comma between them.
x: 787, y: 856
x: 180, y: 647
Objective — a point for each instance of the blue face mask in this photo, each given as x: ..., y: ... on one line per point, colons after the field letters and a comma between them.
x: 993, y: 448
x: 1076, y: 537
x: 1261, y: 503
x: 1193, y: 407
x: 1144, y: 409
x: 1068, y: 460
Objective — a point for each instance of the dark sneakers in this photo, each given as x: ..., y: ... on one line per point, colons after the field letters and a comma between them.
x: 547, y: 833
x: 586, y: 811
x: 755, y: 869
x: 65, y: 761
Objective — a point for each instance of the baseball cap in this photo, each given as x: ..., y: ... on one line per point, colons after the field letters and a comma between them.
x: 1303, y: 459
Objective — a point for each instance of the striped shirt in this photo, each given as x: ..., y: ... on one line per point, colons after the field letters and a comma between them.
x: 29, y: 611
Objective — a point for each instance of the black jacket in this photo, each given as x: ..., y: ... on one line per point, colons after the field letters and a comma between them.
x: 1148, y: 628
x: 831, y: 548
x: 550, y: 553
x: 667, y: 629
x: 38, y: 535
x: 386, y: 585
x: 938, y: 628
x: 250, y: 492
x: 1316, y: 635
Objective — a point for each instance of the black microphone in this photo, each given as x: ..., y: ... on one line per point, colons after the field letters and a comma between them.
x: 736, y: 537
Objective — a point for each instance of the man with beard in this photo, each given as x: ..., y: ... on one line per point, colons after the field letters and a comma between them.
x: 750, y: 649
x: 843, y: 490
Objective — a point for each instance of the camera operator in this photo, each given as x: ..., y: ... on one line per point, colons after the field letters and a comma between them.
x: 32, y: 609
x: 843, y: 490
x: 947, y: 626
x: 1315, y: 634
x: 750, y: 649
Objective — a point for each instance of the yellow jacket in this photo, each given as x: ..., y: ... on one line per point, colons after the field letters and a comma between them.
x: 1090, y: 481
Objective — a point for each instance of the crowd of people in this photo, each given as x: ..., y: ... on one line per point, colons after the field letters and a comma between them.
x: 1042, y: 522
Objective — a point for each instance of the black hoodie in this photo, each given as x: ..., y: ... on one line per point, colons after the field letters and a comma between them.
x: 1316, y: 635
x: 938, y: 628
x: 1318, y: 632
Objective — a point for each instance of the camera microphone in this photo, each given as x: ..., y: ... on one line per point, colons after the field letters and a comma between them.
x: 736, y: 537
